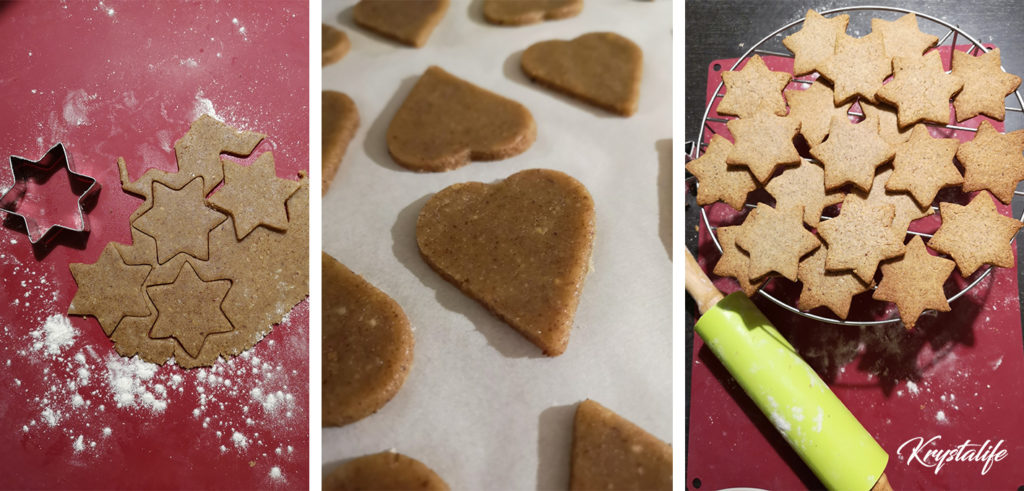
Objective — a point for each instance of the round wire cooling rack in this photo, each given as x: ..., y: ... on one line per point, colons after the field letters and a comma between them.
x: 955, y: 32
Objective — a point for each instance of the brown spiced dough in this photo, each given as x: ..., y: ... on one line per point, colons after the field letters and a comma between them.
x: 334, y: 43
x: 520, y: 12
x: 385, y: 471
x: 609, y: 452
x: 340, y: 121
x: 409, y: 22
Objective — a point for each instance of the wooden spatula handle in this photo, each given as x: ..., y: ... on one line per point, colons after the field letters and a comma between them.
x: 699, y: 285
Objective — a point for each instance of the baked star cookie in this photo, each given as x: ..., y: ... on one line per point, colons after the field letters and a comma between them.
x: 888, y: 125
x: 986, y: 85
x: 718, y: 181
x: 752, y: 88
x: 993, y: 161
x: 406, y: 22
x: 858, y: 67
x: 832, y: 289
x: 384, y: 471
x: 600, y: 68
x: 334, y: 43
x: 860, y: 237
x: 906, y: 208
x: 776, y: 240
x: 914, y: 282
x: 763, y: 142
x: 610, y: 452
x: 814, y: 108
x: 367, y: 346
x: 815, y: 42
x: 902, y: 37
x: 340, y: 121
x: 852, y: 153
x: 521, y: 247
x: 803, y: 186
x: 445, y: 122
x: 735, y: 262
x: 920, y: 89
x: 975, y: 234
x: 923, y: 165
x: 521, y: 12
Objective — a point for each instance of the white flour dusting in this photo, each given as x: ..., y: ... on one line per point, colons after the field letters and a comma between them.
x: 54, y: 335
x: 941, y: 417
x: 76, y: 107
x: 275, y: 473
x: 912, y: 387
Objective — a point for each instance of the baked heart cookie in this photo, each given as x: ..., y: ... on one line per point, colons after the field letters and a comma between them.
x: 405, y: 21
x: 610, y: 452
x: 340, y: 122
x: 520, y: 12
x: 334, y: 43
x: 367, y: 346
x: 521, y: 247
x: 446, y: 122
x: 383, y: 471
x: 601, y: 68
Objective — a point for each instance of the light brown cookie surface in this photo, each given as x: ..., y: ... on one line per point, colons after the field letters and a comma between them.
x: 789, y: 240
x: 986, y: 85
x: 340, y: 121
x: 717, y: 181
x: 385, y: 471
x: 601, y: 68
x: 521, y: 247
x: 814, y: 108
x: 815, y: 42
x: 763, y: 142
x: 367, y: 346
x: 803, y: 186
x: 920, y: 89
x: 993, y: 161
x: 902, y: 37
x: 407, y: 22
x: 753, y: 87
x: 446, y: 122
x: 860, y: 237
x: 852, y: 153
x: 254, y: 196
x: 888, y: 124
x: 735, y: 262
x: 610, y: 452
x: 914, y: 282
x: 334, y: 44
x: 180, y: 221
x: 109, y: 289
x: 923, y: 165
x: 831, y: 289
x: 905, y: 206
x: 858, y: 67
x: 520, y: 12
x: 975, y: 234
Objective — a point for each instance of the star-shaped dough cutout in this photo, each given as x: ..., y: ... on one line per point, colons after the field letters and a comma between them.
x: 109, y: 289
x: 832, y: 289
x: 254, y: 195
x: 906, y: 208
x: 776, y: 240
x: 803, y: 186
x: 993, y: 161
x: 718, y: 181
x: 902, y: 37
x: 852, y: 153
x: 752, y: 87
x: 986, y: 85
x: 888, y: 126
x: 975, y: 234
x: 860, y: 237
x: 198, y: 152
x: 858, y: 67
x: 763, y: 142
x: 814, y: 108
x: 920, y: 89
x: 735, y: 263
x: 815, y: 42
x: 924, y: 165
x: 189, y: 309
x: 914, y: 282
x: 179, y: 220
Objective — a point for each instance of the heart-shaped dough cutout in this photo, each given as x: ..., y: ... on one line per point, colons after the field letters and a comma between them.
x: 367, y: 346
x: 601, y: 68
x: 520, y: 12
x: 521, y: 247
x: 340, y: 122
x: 446, y: 122
x: 409, y: 22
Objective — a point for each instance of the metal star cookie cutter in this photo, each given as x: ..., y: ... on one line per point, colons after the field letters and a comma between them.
x: 31, y: 175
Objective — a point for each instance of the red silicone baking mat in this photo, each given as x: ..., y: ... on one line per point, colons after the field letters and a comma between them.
x: 954, y: 380
x: 125, y: 79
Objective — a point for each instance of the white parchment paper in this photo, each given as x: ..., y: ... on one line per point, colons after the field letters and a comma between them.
x: 481, y: 405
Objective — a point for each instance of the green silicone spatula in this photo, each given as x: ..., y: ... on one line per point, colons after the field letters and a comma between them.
x: 786, y: 389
